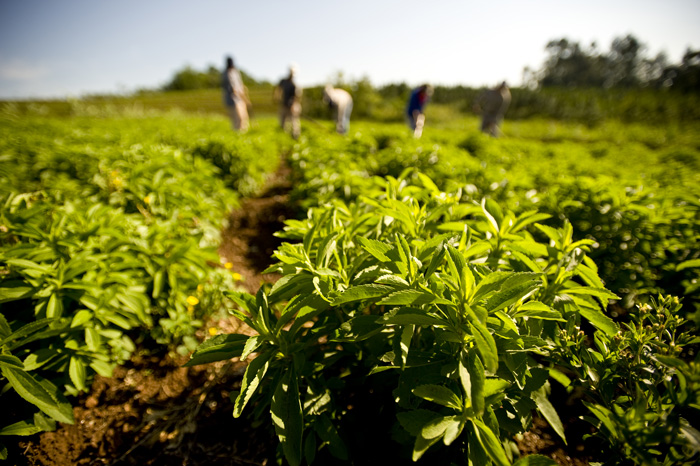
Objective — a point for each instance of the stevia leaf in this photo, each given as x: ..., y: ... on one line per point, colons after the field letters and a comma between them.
x: 548, y: 411
x: 477, y: 380
x: 42, y: 394
x: 600, y: 321
x: 535, y: 460
x: 438, y: 394
x: 360, y: 292
x: 21, y: 428
x: 12, y: 290
x: 287, y: 417
x: 251, y: 380
x: 490, y: 443
x: 375, y: 248
x: 411, y: 298
x: 77, y: 373
x: 218, y: 348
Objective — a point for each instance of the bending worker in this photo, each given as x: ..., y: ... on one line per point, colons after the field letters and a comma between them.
x: 341, y: 101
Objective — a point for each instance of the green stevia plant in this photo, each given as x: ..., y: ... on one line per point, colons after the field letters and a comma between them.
x: 410, y: 320
x: 641, y: 385
x: 111, y: 247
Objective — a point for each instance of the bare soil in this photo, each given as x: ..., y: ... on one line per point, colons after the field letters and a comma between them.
x: 153, y: 411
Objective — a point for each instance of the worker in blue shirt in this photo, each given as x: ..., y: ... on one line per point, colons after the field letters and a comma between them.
x: 414, y: 110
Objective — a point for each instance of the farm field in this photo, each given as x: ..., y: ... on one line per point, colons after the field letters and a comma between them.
x: 531, y: 299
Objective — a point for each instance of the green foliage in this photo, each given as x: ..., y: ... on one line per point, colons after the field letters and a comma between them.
x: 375, y: 294
x: 641, y: 393
x: 108, y: 230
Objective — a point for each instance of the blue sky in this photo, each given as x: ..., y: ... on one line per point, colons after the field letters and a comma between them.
x: 70, y: 48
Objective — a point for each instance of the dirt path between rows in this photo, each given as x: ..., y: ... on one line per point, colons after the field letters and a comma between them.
x: 153, y: 411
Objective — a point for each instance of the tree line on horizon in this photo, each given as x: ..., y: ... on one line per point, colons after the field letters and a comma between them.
x: 626, y: 65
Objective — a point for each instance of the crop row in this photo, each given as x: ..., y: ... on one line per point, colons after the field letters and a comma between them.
x: 108, y: 233
x: 411, y: 325
x: 638, y: 201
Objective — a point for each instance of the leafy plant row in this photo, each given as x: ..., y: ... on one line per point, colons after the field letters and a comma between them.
x: 108, y: 233
x: 634, y: 194
x: 411, y: 325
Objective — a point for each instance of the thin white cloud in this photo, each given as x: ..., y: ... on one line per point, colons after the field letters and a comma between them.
x: 19, y: 70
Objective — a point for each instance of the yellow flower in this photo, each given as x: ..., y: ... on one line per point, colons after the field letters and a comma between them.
x: 237, y: 276
x: 213, y: 331
x: 192, y: 301
x: 147, y: 199
x: 200, y: 288
x: 228, y: 265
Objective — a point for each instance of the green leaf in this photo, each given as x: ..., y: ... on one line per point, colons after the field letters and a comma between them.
x: 477, y: 380
x: 490, y: 443
x: 548, y: 411
x: 535, y: 460
x: 13, y: 362
x: 486, y: 345
x: 411, y: 298
x: 254, y: 374
x: 329, y: 434
x: 158, y: 283
x: 684, y: 265
x: 538, y: 310
x: 12, y: 290
x: 252, y: 344
x: 5, y: 329
x: 512, y: 289
x: 406, y: 335
x: 375, y: 248
x: 357, y: 329
x: 218, y: 348
x: 436, y: 428
x: 360, y: 292
x: 42, y: 394
x: 454, y: 429
x: 287, y: 417
x: 600, y: 321
x: 605, y: 416
x: 76, y: 371
x: 591, y: 291
x: 93, y: 338
x: 21, y: 428
x: 80, y: 318
x: 438, y: 394
x: 26, y: 330
x: 103, y: 368
x: 301, y: 305
x: 410, y: 316
x: 54, y: 308
x: 38, y: 358
x: 414, y: 420
x: 494, y: 386
x: 243, y: 299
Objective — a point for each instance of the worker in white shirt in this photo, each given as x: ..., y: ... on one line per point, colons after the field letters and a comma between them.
x: 341, y: 101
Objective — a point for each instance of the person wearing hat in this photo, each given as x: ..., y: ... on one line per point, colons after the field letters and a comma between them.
x: 492, y: 104
x: 235, y: 96
x: 341, y: 101
x: 288, y: 94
